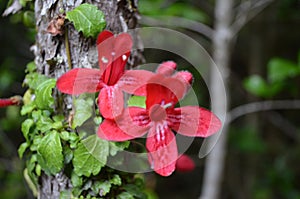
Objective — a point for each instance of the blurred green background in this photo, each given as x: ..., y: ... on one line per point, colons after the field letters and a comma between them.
x: 263, y: 152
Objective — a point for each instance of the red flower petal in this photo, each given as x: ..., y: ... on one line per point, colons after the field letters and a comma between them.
x: 193, y: 121
x: 80, y: 80
x: 166, y: 68
x: 185, y: 76
x: 162, y: 149
x: 133, y: 123
x: 113, y: 53
x: 109, y: 130
x: 185, y: 164
x: 164, y: 90
x: 111, y: 102
x: 134, y: 81
x: 103, y: 36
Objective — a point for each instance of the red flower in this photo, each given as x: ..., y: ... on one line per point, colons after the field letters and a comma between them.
x: 185, y: 164
x: 159, y: 119
x: 113, y: 53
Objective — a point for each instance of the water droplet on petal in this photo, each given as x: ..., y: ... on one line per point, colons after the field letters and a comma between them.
x: 113, y: 53
x: 124, y: 57
x: 104, y: 60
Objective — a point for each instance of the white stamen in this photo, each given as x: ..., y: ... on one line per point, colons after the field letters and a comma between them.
x: 124, y: 57
x: 167, y: 105
x: 104, y: 60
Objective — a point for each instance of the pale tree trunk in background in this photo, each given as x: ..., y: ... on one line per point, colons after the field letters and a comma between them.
x: 52, y: 60
x: 221, y: 55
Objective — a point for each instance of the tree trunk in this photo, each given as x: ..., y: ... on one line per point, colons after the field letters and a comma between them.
x: 51, y: 56
x: 221, y: 43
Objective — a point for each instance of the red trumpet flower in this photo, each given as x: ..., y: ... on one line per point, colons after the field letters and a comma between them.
x: 113, y: 53
x: 159, y: 119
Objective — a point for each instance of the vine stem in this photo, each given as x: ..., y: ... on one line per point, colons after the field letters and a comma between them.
x: 68, y: 52
x: 15, y: 100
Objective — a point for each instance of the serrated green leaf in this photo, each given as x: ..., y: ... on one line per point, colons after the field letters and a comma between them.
x: 43, y: 98
x: 76, y: 180
x: 139, y: 101
x: 116, y: 180
x: 125, y: 195
x: 280, y: 69
x: 88, y: 19
x: 58, y: 118
x: 135, y: 191
x: 26, y: 125
x: 115, y: 147
x: 102, y: 188
x: 22, y: 149
x: 83, y: 111
x: 28, y: 108
x: 50, y: 155
x: 33, y: 80
x: 90, y: 156
x: 44, y: 124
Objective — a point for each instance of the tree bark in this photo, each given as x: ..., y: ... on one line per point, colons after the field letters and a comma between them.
x: 222, y: 40
x: 51, y: 56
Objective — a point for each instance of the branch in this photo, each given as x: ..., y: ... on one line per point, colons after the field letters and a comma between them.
x: 284, y: 125
x: 247, y: 11
x: 262, y: 106
x: 179, y: 22
x: 13, y: 8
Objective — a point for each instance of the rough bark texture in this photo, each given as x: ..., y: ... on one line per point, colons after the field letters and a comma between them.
x: 52, y: 60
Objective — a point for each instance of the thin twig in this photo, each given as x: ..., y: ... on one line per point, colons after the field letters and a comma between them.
x: 262, y: 106
x: 247, y: 11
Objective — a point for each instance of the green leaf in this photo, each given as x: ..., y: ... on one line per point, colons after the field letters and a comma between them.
x: 28, y: 108
x: 68, y: 154
x: 44, y: 124
x: 30, y: 67
x: 29, y: 19
x: 26, y: 125
x: 88, y: 19
x: 83, y: 111
x: 90, y: 156
x: 66, y: 194
x: 259, y: 87
x: 116, y: 180
x: 43, y: 98
x: 76, y: 180
x: 32, y: 177
x: 33, y: 80
x: 114, y: 147
x: 139, y: 101
x: 22, y: 149
x: 280, y: 69
x: 102, y: 188
x: 135, y: 191
x: 125, y: 195
x: 50, y: 155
